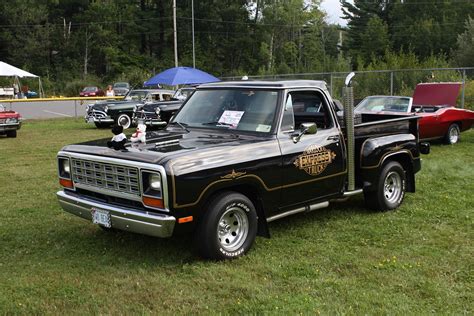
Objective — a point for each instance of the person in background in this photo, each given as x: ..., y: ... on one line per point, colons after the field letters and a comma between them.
x: 109, y: 92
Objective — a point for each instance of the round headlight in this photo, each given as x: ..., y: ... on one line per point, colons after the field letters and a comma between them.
x: 66, y: 167
x: 157, y: 111
x: 155, y: 181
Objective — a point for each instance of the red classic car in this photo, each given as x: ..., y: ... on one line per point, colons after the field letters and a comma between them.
x: 91, y: 92
x: 10, y: 122
x: 434, y: 102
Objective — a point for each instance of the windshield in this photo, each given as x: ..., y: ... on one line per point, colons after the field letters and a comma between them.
x: 237, y: 109
x: 90, y: 89
x: 183, y: 94
x: 376, y: 104
x: 136, y: 95
x: 121, y: 85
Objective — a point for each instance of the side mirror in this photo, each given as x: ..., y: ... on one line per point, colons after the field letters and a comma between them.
x: 305, y: 128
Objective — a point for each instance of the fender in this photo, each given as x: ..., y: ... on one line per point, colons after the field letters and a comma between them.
x: 376, y: 151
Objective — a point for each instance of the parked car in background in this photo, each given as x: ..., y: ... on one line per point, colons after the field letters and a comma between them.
x: 156, y: 113
x: 106, y: 113
x: 159, y: 113
x: 10, y: 122
x: 121, y: 88
x: 183, y: 93
x: 91, y: 92
x: 434, y: 103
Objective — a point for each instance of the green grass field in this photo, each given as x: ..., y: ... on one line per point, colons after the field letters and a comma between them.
x: 343, y: 259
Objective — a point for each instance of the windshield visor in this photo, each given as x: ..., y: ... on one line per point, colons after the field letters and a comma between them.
x: 235, y: 109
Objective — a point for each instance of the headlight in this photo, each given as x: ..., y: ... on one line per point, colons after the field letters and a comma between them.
x: 157, y: 111
x: 65, y: 173
x: 152, y: 190
x: 106, y: 108
x: 66, y: 166
x: 11, y: 120
x: 155, y: 181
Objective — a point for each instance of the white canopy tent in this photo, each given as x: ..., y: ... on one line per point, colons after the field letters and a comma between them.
x: 7, y: 70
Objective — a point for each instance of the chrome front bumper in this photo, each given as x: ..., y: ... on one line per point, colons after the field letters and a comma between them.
x: 133, y: 220
x: 148, y: 121
x: 9, y: 127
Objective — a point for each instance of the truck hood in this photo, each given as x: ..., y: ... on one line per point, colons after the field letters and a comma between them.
x: 444, y: 93
x: 162, y: 146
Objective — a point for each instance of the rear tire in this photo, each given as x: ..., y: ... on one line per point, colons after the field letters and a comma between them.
x: 124, y: 120
x: 389, y: 190
x: 453, y: 135
x: 228, y: 228
x: 11, y: 134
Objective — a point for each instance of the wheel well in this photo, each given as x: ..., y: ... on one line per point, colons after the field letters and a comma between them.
x: 405, y: 160
x: 459, y: 123
x: 252, y: 193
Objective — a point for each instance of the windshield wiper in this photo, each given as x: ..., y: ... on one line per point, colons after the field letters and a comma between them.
x: 182, y: 125
x: 216, y: 123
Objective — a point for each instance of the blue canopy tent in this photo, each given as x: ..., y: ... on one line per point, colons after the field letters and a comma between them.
x: 181, y: 75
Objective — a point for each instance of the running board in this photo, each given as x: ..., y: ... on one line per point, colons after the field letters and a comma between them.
x: 307, y: 208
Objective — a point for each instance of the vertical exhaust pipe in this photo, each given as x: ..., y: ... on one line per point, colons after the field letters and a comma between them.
x: 349, y: 122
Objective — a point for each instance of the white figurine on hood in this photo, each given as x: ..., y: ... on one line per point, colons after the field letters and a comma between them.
x: 140, y: 134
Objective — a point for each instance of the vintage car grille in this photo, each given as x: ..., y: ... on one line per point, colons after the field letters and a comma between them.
x: 111, y: 177
x: 98, y: 114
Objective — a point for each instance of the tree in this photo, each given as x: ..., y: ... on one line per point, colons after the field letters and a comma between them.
x: 464, y: 53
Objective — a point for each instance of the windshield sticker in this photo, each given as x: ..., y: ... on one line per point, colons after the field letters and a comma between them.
x: 263, y: 128
x: 315, y: 159
x: 231, y: 118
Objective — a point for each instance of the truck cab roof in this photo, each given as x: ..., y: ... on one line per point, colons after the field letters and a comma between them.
x: 263, y: 84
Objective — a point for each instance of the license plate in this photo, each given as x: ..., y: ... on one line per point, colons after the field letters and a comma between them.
x: 101, y: 217
x: 90, y: 120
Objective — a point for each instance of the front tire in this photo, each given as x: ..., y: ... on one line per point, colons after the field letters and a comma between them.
x: 228, y: 228
x: 389, y: 190
x: 124, y: 120
x: 11, y: 134
x: 453, y: 134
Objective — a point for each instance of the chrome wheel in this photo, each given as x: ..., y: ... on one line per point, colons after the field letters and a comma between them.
x: 453, y: 135
x: 233, y: 228
x: 124, y: 121
x: 392, y: 187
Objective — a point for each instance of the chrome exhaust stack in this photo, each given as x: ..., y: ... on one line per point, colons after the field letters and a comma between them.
x: 349, y: 122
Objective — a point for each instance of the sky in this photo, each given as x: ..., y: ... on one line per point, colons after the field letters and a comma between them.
x: 333, y: 9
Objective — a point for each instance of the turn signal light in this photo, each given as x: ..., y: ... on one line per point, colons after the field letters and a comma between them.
x: 153, y: 202
x: 66, y: 183
x: 185, y: 220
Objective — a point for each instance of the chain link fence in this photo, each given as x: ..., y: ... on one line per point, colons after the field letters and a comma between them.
x: 387, y: 82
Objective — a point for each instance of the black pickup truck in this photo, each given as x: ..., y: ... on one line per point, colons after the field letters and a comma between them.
x: 236, y: 156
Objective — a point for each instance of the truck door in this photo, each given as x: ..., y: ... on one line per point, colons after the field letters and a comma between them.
x: 314, y: 168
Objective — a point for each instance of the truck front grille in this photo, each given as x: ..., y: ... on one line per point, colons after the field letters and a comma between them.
x: 109, y: 177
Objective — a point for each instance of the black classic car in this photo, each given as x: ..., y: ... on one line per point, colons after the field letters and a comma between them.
x: 236, y: 156
x: 160, y: 113
x: 107, y: 113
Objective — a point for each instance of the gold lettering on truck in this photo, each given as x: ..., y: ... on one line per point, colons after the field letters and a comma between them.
x: 315, y: 159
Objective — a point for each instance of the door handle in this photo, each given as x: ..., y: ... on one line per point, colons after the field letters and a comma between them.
x: 333, y: 138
